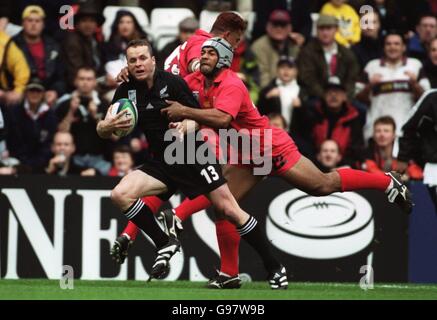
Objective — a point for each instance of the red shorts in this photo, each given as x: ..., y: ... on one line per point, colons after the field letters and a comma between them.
x: 284, y: 157
x: 284, y: 154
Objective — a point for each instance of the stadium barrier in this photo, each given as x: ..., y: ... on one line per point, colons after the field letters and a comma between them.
x: 49, y: 222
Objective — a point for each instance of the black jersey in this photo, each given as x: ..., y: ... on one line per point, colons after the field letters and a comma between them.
x: 149, y: 102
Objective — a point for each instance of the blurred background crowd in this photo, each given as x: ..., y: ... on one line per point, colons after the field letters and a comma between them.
x: 340, y: 76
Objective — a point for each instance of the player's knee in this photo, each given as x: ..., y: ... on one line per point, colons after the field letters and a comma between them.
x: 119, y: 196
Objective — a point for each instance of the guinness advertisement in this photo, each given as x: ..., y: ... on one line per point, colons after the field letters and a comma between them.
x: 47, y: 223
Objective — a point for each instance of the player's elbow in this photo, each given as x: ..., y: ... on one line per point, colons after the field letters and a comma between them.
x: 225, y: 121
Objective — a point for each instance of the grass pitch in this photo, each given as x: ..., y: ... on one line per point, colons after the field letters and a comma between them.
x: 186, y: 290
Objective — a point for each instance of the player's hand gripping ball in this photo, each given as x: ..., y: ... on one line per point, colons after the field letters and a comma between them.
x: 132, y: 114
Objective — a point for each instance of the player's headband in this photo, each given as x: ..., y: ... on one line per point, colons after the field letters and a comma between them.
x: 223, y: 49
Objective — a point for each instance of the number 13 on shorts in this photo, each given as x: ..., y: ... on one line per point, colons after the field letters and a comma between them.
x: 210, y: 174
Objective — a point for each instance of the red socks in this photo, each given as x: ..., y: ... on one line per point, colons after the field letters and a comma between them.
x: 227, y: 236
x: 229, y: 242
x: 189, y: 207
x: 356, y: 179
x: 131, y: 230
x: 153, y: 203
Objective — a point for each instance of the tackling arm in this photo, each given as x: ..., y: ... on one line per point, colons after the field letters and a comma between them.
x: 209, y: 117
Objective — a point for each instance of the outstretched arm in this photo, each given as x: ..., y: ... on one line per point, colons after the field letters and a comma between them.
x: 210, y: 117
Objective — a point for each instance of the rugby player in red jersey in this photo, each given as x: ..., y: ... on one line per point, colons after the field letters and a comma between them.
x: 226, y: 103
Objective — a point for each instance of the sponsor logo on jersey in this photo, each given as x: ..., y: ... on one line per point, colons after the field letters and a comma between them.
x: 132, y: 95
x: 163, y: 93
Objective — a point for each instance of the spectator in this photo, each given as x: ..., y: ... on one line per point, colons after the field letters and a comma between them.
x: 279, y: 40
x: 322, y: 58
x: 79, y: 113
x: 334, y: 118
x: 14, y: 71
x: 419, y: 141
x: 7, y: 164
x: 371, y: 45
x: 122, y: 162
x: 33, y: 124
x: 282, y: 94
x: 299, y: 10
x: 419, y: 44
x: 61, y: 163
x: 430, y: 67
x: 187, y: 27
x: 329, y: 156
x: 124, y: 29
x: 392, y: 84
x: 349, y: 30
x: 379, y: 155
x: 390, y: 14
x: 277, y: 120
x: 80, y: 48
x: 41, y: 52
x: 410, y: 12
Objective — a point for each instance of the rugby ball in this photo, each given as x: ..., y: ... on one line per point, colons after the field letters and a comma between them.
x: 132, y: 114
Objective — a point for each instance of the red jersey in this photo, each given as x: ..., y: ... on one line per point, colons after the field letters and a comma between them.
x: 177, y: 62
x: 229, y: 94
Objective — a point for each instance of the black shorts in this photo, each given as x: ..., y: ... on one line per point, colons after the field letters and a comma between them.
x: 191, y: 179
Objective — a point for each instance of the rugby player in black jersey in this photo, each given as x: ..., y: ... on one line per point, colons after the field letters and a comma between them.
x: 149, y: 88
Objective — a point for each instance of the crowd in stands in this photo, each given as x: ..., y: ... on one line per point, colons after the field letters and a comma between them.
x: 340, y: 76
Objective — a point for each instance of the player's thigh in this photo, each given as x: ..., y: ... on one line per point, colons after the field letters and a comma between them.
x: 240, y: 180
x: 138, y: 184
x: 305, y: 176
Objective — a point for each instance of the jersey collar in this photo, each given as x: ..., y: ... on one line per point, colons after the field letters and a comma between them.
x: 222, y: 75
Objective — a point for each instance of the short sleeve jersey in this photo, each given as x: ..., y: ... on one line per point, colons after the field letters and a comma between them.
x: 150, y: 102
x: 178, y: 61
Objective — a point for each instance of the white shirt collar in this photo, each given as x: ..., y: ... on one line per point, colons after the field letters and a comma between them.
x: 43, y: 108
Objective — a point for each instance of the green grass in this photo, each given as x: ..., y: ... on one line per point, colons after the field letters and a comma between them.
x: 185, y: 290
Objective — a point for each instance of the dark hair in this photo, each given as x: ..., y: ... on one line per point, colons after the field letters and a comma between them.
x: 228, y: 21
x: 385, y: 120
x: 86, y: 68
x: 425, y: 15
x: 115, y: 37
x: 395, y: 33
x: 139, y: 43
